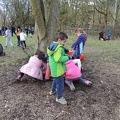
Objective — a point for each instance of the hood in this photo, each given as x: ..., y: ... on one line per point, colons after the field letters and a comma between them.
x: 52, y: 48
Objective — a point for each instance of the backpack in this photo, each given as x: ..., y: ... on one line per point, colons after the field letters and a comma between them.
x: 1, y: 50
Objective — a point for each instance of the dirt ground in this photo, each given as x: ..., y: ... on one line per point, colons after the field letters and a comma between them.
x: 30, y: 99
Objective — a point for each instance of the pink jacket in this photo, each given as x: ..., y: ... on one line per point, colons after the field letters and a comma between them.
x: 34, y: 68
x: 72, y: 71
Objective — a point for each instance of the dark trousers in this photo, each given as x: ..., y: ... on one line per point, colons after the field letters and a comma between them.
x: 58, y: 84
x: 23, y: 44
x: 18, y: 37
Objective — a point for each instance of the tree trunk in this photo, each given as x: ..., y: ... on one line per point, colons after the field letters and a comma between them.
x: 45, y: 30
x: 115, y: 17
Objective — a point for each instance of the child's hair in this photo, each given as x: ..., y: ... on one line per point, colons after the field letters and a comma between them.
x: 22, y: 30
x: 81, y: 31
x: 41, y: 55
x: 5, y: 28
x: 62, y: 36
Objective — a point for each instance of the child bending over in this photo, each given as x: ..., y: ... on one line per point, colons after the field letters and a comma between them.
x: 78, y: 46
x: 73, y: 73
x: 34, y: 67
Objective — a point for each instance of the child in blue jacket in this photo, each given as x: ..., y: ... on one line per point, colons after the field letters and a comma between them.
x: 78, y: 46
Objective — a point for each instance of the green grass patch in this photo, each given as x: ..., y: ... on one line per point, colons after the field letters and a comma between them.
x: 16, y: 53
x: 94, y: 50
x: 101, y: 51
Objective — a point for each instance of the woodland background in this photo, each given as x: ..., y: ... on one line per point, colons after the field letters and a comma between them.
x: 91, y: 15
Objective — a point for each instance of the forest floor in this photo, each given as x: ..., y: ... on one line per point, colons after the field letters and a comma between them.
x: 30, y: 99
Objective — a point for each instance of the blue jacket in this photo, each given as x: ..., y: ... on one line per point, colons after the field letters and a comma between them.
x: 109, y: 32
x: 79, y: 44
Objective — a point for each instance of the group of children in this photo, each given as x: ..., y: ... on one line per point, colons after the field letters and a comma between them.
x: 21, y: 36
x: 61, y: 66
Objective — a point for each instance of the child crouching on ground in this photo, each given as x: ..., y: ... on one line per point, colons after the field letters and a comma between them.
x: 73, y: 73
x: 35, y: 66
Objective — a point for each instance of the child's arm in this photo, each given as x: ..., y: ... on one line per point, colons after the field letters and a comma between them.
x: 81, y: 47
x: 79, y: 40
x: 25, y: 35
x: 60, y: 56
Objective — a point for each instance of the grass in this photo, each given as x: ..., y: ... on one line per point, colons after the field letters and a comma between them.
x: 14, y: 40
x: 95, y: 50
x: 105, y: 51
x: 15, y: 54
x: 101, y: 51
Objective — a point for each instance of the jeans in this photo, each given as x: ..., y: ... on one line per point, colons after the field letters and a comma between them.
x: 8, y: 39
x: 3, y: 33
x: 75, y: 55
x: 80, y: 79
x: 58, y: 84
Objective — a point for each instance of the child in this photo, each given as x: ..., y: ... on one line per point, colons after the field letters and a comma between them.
x: 22, y: 39
x: 18, y: 36
x: 109, y: 34
x: 78, y: 46
x: 8, y: 35
x: 34, y: 67
x: 57, y: 59
x: 48, y: 72
x: 74, y: 73
x: 101, y: 35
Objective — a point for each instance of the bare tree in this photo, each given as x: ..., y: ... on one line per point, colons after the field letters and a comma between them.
x: 103, y: 7
x: 16, y: 12
x: 3, y: 12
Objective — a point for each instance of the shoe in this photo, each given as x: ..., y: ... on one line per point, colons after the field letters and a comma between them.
x: 88, y: 83
x: 18, y: 78
x: 61, y: 100
x: 52, y: 93
x: 72, y: 87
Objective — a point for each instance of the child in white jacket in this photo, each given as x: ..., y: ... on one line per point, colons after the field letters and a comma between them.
x: 8, y: 35
x: 22, y: 39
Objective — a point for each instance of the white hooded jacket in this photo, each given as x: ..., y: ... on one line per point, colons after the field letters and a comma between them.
x: 23, y: 36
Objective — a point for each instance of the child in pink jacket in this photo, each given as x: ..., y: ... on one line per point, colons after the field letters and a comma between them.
x: 74, y: 73
x: 35, y: 66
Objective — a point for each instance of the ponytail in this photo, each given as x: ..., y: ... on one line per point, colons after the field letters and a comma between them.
x: 81, y: 31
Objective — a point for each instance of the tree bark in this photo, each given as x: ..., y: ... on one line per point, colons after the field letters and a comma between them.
x: 45, y: 28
